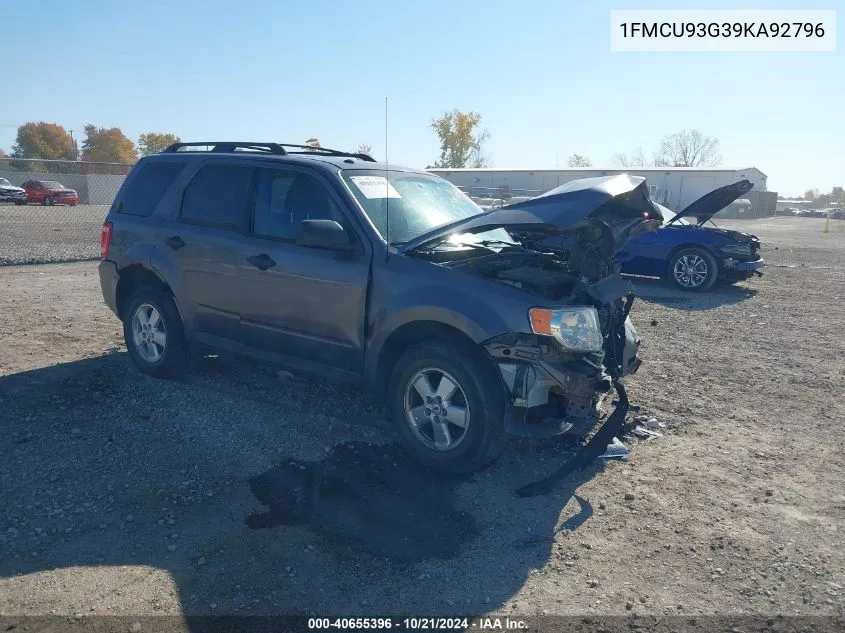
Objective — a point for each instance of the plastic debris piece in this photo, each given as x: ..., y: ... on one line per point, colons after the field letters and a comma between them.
x: 646, y: 434
x: 652, y: 423
x: 616, y: 449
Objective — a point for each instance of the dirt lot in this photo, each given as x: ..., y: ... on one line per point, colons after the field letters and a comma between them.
x: 36, y: 233
x: 127, y: 495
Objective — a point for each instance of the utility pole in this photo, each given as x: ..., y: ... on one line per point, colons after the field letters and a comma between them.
x: 73, y: 141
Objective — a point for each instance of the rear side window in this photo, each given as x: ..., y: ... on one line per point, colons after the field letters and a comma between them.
x: 217, y: 196
x: 147, y: 187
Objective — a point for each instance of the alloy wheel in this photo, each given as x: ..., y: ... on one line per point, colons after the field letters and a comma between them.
x: 690, y: 270
x: 436, y: 409
x: 149, y: 333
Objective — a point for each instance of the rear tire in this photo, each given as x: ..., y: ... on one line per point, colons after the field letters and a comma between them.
x: 426, y: 429
x: 693, y: 270
x: 49, y: 201
x: 154, y: 334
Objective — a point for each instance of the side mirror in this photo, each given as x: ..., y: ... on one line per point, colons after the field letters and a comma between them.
x: 326, y: 234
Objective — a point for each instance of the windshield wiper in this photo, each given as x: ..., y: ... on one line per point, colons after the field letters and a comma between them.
x: 499, y: 243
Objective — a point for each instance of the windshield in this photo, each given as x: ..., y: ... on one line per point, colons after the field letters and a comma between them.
x: 51, y: 184
x: 668, y: 214
x: 416, y: 203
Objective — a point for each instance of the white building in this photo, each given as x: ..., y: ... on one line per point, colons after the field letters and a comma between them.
x: 675, y: 187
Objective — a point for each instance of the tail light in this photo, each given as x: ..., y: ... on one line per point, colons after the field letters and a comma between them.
x: 105, y: 240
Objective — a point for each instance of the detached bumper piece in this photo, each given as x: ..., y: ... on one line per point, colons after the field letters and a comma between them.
x: 589, y: 452
x: 733, y: 268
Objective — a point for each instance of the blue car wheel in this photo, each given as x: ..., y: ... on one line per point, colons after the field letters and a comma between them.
x: 693, y: 269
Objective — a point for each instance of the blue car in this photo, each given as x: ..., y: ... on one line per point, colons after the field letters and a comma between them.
x: 692, y: 255
x: 695, y: 255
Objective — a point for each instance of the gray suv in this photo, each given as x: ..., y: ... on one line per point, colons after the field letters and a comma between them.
x: 328, y: 262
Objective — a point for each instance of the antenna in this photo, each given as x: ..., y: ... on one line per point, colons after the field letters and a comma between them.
x: 386, y: 185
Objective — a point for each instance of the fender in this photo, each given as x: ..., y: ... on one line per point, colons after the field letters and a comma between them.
x: 470, y: 315
x: 168, y: 271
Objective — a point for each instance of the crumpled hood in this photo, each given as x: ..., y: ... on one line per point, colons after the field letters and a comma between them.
x: 611, y: 207
x: 711, y: 203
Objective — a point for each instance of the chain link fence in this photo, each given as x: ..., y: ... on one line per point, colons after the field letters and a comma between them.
x: 59, y: 214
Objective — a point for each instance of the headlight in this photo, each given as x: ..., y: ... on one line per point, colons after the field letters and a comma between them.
x: 737, y: 249
x: 576, y: 329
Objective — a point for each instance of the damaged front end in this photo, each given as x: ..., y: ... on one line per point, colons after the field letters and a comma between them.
x: 553, y: 385
x: 581, y: 342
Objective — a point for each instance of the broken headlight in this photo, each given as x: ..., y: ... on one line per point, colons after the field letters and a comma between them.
x: 737, y: 249
x: 576, y: 329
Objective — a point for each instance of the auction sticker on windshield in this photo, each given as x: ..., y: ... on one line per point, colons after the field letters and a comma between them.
x: 375, y: 187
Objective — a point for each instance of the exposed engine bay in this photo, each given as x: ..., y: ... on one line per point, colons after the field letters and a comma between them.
x: 539, y: 273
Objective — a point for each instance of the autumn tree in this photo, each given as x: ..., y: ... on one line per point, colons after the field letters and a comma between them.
x: 107, y: 145
x: 461, y: 143
x: 688, y: 148
x: 154, y: 142
x: 578, y: 160
x: 43, y: 140
x: 810, y: 194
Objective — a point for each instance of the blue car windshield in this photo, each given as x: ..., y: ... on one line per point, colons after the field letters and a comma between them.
x: 668, y: 214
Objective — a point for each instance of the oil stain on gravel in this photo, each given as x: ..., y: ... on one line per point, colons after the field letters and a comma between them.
x: 371, y: 498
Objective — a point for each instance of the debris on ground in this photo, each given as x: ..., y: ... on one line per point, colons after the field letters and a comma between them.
x: 616, y: 449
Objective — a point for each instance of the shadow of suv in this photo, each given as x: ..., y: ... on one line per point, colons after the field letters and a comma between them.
x: 329, y: 262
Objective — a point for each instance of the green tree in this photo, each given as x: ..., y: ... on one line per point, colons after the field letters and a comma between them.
x: 49, y: 141
x: 107, y: 145
x: 154, y: 142
x: 577, y: 160
x: 688, y: 148
x: 461, y: 144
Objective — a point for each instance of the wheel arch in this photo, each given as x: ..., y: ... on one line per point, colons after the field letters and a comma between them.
x: 704, y: 247
x: 413, y: 333
x: 134, y: 276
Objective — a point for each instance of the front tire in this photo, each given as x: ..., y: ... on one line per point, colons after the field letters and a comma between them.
x: 153, y: 332
x: 447, y: 405
x: 693, y: 270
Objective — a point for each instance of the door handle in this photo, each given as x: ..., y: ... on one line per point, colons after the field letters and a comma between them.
x: 175, y: 242
x: 261, y: 262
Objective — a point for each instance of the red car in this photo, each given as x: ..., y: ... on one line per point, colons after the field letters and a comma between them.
x: 49, y: 192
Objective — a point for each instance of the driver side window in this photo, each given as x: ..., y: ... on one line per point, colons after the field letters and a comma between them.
x: 283, y: 199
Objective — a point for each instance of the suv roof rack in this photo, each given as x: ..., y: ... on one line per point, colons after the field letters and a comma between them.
x: 269, y: 148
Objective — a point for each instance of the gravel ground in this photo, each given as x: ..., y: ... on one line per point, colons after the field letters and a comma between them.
x: 127, y: 495
x: 38, y: 234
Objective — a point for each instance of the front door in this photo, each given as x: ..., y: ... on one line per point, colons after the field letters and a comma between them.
x: 307, y: 303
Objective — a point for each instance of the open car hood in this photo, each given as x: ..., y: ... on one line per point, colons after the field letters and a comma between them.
x: 609, y: 208
x: 711, y: 203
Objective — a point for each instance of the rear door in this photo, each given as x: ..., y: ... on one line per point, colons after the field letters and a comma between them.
x: 310, y: 302
x: 203, y: 239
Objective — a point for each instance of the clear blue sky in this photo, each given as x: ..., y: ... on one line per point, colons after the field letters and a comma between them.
x: 540, y: 73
